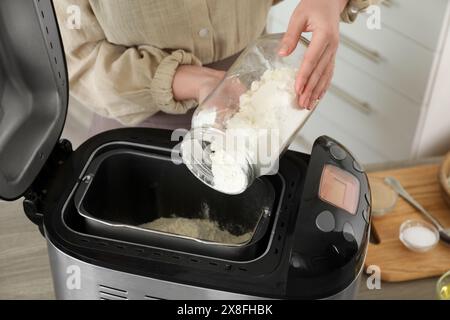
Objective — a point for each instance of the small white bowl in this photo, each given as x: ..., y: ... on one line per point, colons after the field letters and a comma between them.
x: 418, y: 236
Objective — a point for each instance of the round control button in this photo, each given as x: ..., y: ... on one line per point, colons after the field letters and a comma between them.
x: 348, y: 232
x: 338, y: 153
x: 325, y: 221
x: 357, y: 166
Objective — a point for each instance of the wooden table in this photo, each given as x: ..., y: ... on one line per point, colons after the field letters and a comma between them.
x: 25, y: 271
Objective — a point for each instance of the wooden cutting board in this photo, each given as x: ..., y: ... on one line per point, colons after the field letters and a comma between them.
x: 397, y: 263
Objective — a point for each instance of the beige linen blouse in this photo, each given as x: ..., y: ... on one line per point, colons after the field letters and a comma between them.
x: 124, y: 54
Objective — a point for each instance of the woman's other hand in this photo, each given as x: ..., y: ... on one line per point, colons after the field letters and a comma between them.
x: 321, y: 17
x: 194, y: 82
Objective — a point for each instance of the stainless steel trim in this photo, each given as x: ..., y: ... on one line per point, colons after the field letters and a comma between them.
x: 93, y: 279
x: 370, y: 54
x: 83, y: 172
x: 357, y: 104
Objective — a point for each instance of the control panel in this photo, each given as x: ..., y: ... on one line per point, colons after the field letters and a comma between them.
x: 332, y: 226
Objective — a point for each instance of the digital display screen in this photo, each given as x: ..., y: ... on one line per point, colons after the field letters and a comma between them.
x: 338, y: 194
x: 339, y: 188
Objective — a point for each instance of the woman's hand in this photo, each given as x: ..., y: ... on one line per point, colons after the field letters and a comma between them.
x: 321, y: 17
x: 194, y: 82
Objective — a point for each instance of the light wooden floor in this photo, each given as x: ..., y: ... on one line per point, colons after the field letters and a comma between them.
x: 24, y: 266
x: 25, y: 271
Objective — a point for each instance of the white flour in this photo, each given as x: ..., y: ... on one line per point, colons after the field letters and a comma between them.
x: 203, y: 229
x: 267, y: 119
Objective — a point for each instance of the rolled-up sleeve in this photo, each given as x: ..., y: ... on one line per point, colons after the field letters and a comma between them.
x: 354, y: 7
x: 161, y: 87
x: 128, y: 84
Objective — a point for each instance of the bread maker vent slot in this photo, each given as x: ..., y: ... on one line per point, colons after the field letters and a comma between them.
x: 110, y: 293
x: 148, y: 297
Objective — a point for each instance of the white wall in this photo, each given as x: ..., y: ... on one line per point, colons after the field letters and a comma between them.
x: 434, y: 135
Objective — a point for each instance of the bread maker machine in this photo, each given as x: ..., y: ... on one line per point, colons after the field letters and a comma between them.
x: 309, y: 223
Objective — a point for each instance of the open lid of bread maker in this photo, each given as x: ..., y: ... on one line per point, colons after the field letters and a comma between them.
x: 33, y: 91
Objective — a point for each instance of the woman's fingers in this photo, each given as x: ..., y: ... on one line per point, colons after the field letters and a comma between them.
x: 306, y: 98
x: 291, y: 37
x: 324, y: 81
x: 312, y: 57
x: 321, y: 17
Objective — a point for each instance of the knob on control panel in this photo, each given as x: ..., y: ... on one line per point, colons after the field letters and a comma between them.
x: 325, y: 221
x: 338, y: 153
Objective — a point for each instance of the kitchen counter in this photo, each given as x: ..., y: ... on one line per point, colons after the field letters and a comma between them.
x: 25, y: 270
